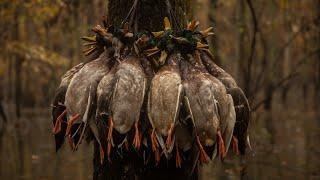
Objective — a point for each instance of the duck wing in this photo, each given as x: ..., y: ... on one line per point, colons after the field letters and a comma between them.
x: 81, y: 94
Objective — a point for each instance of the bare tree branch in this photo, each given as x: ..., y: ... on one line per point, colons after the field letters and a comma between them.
x: 287, y: 78
x: 253, y: 42
x: 275, y: 87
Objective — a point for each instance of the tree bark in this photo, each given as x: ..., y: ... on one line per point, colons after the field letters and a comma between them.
x: 317, y: 84
x: 150, y: 15
x: 287, y: 54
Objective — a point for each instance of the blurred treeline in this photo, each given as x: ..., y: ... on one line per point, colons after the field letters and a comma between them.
x: 40, y: 40
x: 268, y: 46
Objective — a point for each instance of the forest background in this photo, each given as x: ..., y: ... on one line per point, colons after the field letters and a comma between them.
x: 271, y: 47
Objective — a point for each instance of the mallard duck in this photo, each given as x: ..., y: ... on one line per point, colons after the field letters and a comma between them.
x: 81, y: 94
x: 163, y: 104
x: 127, y: 98
x: 104, y: 94
x: 59, y: 112
x: 240, y: 139
x: 207, y: 102
x: 190, y: 106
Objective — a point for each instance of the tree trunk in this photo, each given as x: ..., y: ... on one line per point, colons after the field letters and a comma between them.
x: 317, y: 83
x: 287, y: 54
x: 18, y: 65
x: 150, y: 15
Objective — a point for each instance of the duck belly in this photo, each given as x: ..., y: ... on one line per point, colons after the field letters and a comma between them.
x: 164, y: 100
x: 128, y: 94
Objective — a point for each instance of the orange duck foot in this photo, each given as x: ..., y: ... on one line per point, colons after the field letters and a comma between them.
x: 204, y: 158
x: 109, y: 150
x: 136, y: 140
x: 222, y: 149
x: 154, y: 142
x: 109, y: 138
x: 169, y: 138
x: 178, y: 158
x: 71, y: 122
x: 157, y: 156
x: 126, y: 145
x: 101, y: 155
x: 235, y: 145
x: 57, y: 126
x: 71, y: 143
x: 155, y: 146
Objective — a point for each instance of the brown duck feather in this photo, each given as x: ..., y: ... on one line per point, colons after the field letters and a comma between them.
x: 164, y: 100
x: 128, y: 94
x: 242, y: 106
x: 81, y: 93
x: 58, y: 107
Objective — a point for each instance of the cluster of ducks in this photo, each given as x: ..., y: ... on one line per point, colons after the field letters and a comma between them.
x: 157, y: 93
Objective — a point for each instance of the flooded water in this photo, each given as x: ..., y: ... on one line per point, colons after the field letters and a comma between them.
x: 285, y: 141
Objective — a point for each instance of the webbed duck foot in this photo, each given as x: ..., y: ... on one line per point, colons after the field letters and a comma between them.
x: 204, y: 158
x: 71, y: 122
x: 109, y: 138
x: 137, y: 137
x: 178, y: 158
x: 126, y: 145
x: 57, y: 127
x: 235, y: 145
x: 155, y: 146
x: 169, y: 138
x: 71, y: 143
x: 222, y: 149
x: 101, y: 155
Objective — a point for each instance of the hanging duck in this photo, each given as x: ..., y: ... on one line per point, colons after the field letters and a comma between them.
x: 240, y: 140
x: 81, y: 93
x: 127, y: 98
x: 207, y: 102
x: 121, y: 94
x: 153, y: 93
x: 59, y: 112
x: 200, y: 38
x: 165, y: 96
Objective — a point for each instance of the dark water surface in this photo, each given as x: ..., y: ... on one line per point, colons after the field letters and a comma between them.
x: 286, y: 146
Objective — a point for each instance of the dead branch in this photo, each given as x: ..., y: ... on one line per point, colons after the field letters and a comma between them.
x: 253, y: 42
x: 287, y: 78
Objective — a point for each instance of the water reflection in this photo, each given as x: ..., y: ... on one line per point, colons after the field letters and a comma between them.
x: 286, y: 146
